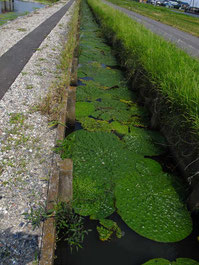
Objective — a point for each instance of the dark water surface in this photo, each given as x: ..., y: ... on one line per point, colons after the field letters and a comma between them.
x: 20, y: 6
x: 131, y: 249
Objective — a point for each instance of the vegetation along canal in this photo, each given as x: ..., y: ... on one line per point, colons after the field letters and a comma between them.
x: 133, y: 204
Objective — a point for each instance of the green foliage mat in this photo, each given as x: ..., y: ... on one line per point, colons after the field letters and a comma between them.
x: 99, y: 55
x: 101, y: 75
x: 145, y: 142
x: 93, y: 125
x: 145, y: 196
x: 83, y: 109
x: 92, y: 90
x: 112, y: 114
x: 93, y: 197
x: 97, y: 157
x: 149, y: 204
x: 110, y: 173
x: 179, y: 261
x: 107, y: 229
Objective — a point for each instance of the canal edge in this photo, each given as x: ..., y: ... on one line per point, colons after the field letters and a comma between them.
x: 60, y: 182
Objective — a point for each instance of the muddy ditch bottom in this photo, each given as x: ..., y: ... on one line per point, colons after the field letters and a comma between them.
x: 131, y: 249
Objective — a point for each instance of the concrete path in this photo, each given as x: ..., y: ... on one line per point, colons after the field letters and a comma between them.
x: 183, y: 40
x: 13, y: 61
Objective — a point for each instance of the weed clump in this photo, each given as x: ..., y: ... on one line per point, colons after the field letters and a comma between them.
x: 69, y: 226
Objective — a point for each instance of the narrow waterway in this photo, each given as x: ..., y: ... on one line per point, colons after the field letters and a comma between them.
x: 116, y: 173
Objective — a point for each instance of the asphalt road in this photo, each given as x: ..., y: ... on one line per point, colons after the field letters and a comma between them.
x: 13, y: 61
x: 182, y: 39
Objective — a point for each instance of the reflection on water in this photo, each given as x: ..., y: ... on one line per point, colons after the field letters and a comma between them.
x: 18, y: 6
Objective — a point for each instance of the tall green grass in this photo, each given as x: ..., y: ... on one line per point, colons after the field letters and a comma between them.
x: 172, y: 72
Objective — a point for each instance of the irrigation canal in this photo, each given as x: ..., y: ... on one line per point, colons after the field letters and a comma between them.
x: 116, y: 173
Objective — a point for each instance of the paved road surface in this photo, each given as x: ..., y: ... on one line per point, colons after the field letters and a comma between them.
x: 184, y: 40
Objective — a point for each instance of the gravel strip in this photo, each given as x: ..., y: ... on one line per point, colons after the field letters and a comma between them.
x: 27, y: 148
x: 15, y: 30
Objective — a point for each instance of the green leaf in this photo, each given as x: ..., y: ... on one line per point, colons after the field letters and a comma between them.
x: 84, y: 109
x: 149, y: 204
x: 179, y: 261
x: 157, y: 262
x: 145, y: 142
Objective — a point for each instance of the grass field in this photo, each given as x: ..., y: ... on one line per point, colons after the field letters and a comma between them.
x: 178, y: 20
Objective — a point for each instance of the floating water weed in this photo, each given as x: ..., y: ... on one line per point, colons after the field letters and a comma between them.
x: 149, y: 204
x: 145, y: 142
x: 107, y: 229
x: 112, y: 174
x: 179, y: 261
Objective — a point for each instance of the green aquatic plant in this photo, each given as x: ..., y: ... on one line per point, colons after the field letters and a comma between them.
x: 93, y: 125
x: 107, y: 229
x: 95, y: 54
x: 145, y: 142
x: 111, y: 225
x: 145, y: 196
x: 110, y: 173
x: 139, y: 122
x: 93, y: 197
x: 97, y: 157
x: 104, y: 234
x: 69, y: 226
x: 101, y: 75
x: 90, y: 91
x: 83, y: 109
x: 110, y: 104
x: 118, y: 127
x: 179, y: 261
x: 148, y: 202
x: 112, y: 114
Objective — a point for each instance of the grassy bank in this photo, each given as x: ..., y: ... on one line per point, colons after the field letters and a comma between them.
x: 180, y: 21
x: 4, y: 18
x: 171, y: 72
